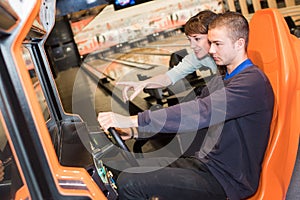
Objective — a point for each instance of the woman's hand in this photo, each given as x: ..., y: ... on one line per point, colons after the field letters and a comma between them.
x: 136, y: 87
x: 159, y: 81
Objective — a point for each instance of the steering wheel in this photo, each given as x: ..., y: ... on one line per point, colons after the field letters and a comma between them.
x: 126, y: 153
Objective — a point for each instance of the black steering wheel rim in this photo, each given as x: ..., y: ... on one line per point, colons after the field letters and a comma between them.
x: 125, y: 150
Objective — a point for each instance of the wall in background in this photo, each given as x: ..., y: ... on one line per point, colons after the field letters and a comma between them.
x: 110, y: 27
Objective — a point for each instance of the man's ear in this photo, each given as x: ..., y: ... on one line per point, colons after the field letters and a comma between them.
x: 240, y: 43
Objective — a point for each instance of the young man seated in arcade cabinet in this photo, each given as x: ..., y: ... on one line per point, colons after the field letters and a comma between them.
x: 236, y: 108
x: 195, y: 29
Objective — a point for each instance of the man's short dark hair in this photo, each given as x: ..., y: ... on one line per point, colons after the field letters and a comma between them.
x: 235, y: 22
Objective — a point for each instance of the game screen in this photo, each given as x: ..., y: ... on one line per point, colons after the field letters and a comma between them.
x: 120, y: 4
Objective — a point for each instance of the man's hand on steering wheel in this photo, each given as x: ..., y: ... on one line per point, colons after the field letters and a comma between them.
x: 110, y: 119
x: 125, y: 133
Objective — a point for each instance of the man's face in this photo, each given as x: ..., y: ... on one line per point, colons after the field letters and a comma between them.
x: 199, y: 44
x: 222, y: 49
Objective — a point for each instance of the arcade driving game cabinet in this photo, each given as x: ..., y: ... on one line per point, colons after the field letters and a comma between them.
x: 39, y: 141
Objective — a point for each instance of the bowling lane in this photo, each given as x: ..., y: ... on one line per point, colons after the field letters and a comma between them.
x: 148, y: 59
x: 158, y: 50
x: 169, y: 45
x: 121, y: 72
x: 155, y: 54
x: 166, y: 47
x: 135, y: 63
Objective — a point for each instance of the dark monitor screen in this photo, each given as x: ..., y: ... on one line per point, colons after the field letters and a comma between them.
x: 120, y: 4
